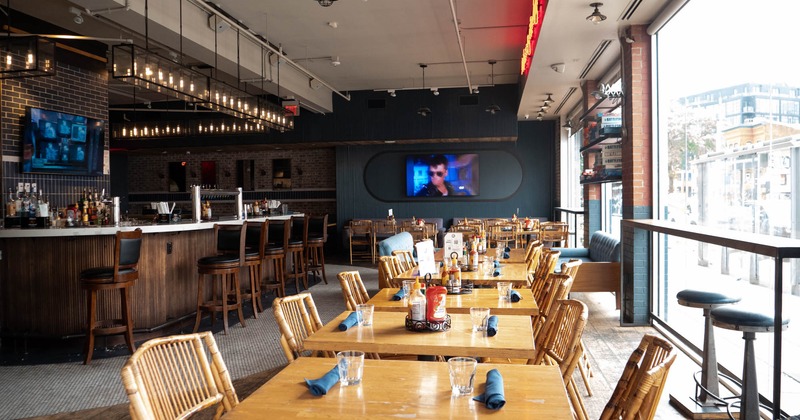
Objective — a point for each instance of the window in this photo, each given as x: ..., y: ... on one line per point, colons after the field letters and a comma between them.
x: 737, y: 171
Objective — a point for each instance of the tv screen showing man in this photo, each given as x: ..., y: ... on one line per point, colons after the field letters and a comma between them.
x: 437, y: 185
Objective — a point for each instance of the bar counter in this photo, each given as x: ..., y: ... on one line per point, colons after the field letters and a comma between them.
x: 40, y: 295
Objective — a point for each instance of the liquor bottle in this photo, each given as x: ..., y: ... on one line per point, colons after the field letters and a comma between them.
x: 18, y: 202
x: 11, y: 205
x: 417, y: 304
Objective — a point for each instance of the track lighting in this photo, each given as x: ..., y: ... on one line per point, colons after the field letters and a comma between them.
x: 325, y: 3
x: 435, y: 91
x: 549, y: 99
x: 392, y: 93
x: 78, y: 19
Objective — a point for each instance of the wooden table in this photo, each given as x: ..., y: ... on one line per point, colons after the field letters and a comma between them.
x: 388, y: 334
x: 405, y: 389
x: 516, y: 273
x: 460, y: 304
x: 517, y: 255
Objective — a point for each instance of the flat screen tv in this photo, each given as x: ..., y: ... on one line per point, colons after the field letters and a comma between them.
x: 442, y: 175
x: 61, y: 143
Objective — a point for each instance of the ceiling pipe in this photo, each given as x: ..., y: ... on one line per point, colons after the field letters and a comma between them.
x: 250, y: 34
x: 460, y: 43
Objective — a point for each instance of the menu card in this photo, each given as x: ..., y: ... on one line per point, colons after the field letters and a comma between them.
x: 453, y: 242
x: 427, y: 264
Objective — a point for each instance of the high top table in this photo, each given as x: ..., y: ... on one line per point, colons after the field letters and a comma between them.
x: 460, y: 304
x: 405, y: 389
x: 388, y: 334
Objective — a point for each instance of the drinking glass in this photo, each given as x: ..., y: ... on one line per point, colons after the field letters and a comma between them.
x: 479, y: 317
x: 408, y: 286
x: 503, y: 290
x: 462, y: 374
x: 364, y: 314
x: 351, y: 367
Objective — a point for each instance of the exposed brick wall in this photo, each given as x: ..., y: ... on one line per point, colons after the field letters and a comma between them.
x: 73, y: 90
x: 637, y: 175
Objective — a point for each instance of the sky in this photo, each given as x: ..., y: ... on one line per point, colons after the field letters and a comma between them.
x: 711, y: 44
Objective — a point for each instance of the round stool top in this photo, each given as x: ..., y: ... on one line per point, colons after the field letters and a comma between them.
x: 219, y: 259
x: 753, y: 320
x: 705, y: 298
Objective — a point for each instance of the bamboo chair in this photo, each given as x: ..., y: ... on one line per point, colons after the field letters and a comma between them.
x: 571, y: 268
x: 172, y: 377
x: 353, y: 289
x: 467, y: 231
x: 639, y: 388
x: 382, y: 229
x: 417, y: 232
x: 547, y: 265
x: 555, y: 233
x: 559, y: 344
x: 432, y: 232
x: 360, y: 236
x: 406, y: 258
x: 533, y: 255
x: 297, y: 318
x: 504, y: 232
x: 388, y: 269
x: 557, y: 287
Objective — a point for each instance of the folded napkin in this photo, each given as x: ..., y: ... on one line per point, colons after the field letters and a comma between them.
x: 496, y: 263
x: 491, y: 326
x: 506, y: 255
x: 348, y: 322
x: 496, y: 272
x: 494, y: 396
x: 507, y: 249
x: 514, y: 295
x: 322, y: 385
x: 399, y: 295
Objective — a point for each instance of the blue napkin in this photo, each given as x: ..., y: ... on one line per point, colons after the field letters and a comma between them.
x: 491, y: 326
x: 399, y: 295
x: 507, y: 249
x: 496, y: 263
x: 496, y: 272
x: 515, y: 296
x: 506, y: 255
x: 322, y: 385
x: 348, y: 322
x: 494, y: 396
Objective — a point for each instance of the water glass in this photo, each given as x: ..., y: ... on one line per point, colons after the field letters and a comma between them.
x: 479, y: 317
x: 408, y: 286
x: 364, y: 314
x: 351, y: 367
x: 504, y: 290
x: 462, y: 374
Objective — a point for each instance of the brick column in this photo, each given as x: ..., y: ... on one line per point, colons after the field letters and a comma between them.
x: 637, y: 175
x: 592, y: 219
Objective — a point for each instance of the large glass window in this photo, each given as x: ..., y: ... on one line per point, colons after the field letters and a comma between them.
x: 736, y: 171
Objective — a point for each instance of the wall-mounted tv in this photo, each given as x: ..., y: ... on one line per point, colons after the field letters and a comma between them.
x: 442, y: 175
x: 61, y: 143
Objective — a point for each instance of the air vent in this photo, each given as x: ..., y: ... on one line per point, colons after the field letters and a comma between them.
x: 630, y: 10
x: 468, y: 100
x: 593, y: 59
x: 376, y: 103
x: 564, y: 101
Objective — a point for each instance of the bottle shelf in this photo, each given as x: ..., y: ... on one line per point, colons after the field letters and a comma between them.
x: 596, y: 144
x: 602, y: 180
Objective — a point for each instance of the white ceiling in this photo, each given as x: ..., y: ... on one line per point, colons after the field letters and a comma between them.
x: 380, y: 43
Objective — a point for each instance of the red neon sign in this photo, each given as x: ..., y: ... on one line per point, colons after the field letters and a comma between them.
x: 534, y: 26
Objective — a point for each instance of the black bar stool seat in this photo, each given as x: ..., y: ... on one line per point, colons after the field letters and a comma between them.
x: 707, y: 390
x: 749, y: 321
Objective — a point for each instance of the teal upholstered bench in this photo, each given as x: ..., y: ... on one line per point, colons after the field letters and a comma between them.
x: 600, y: 270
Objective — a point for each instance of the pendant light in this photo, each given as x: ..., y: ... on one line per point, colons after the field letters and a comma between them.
x: 493, y: 108
x: 423, y: 110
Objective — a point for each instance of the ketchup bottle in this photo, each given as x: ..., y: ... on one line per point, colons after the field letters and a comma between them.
x: 436, y: 295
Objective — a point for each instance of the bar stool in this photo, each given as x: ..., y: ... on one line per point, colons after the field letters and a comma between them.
x: 749, y: 322
x: 255, y: 243
x: 275, y: 255
x: 708, y: 396
x: 315, y: 253
x: 121, y: 276
x: 295, y: 252
x: 224, y: 267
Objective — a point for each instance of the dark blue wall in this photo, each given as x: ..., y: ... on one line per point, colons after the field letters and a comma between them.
x: 500, y: 162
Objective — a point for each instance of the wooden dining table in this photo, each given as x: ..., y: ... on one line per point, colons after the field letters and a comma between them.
x: 460, y: 304
x: 516, y: 255
x: 405, y: 389
x: 388, y: 334
x: 516, y: 273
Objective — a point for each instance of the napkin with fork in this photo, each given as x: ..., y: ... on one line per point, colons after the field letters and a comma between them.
x: 321, y: 385
x: 494, y: 395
